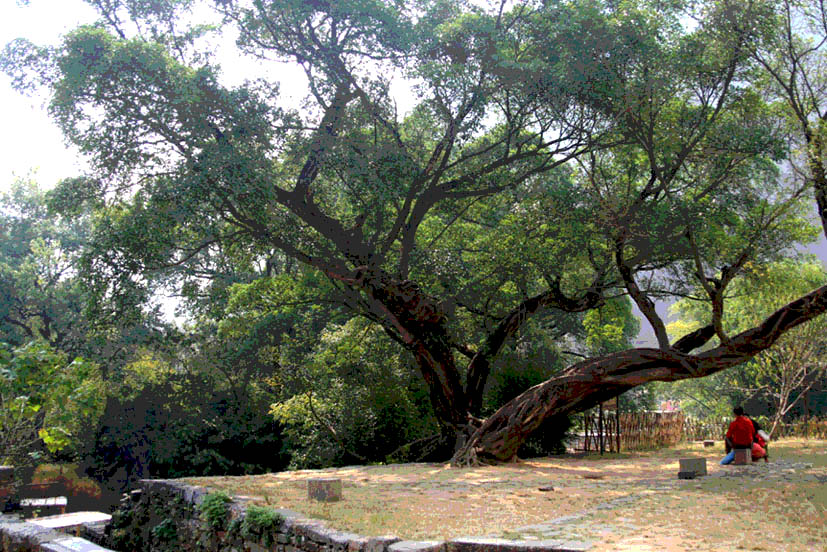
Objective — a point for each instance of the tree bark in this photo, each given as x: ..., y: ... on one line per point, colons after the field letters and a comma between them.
x: 480, y: 366
x: 591, y: 381
x: 420, y: 324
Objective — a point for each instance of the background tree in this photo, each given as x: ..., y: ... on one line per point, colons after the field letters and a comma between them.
x: 46, y: 401
x: 174, y: 401
x: 41, y: 295
x: 777, y: 379
x: 608, y: 147
x: 792, y: 56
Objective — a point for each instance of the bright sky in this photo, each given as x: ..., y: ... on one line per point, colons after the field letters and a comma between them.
x: 31, y: 141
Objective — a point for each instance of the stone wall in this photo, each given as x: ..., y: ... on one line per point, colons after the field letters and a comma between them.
x: 18, y: 536
x: 165, y: 516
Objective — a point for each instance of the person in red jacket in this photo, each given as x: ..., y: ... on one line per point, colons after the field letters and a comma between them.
x: 741, y: 432
x: 742, y: 435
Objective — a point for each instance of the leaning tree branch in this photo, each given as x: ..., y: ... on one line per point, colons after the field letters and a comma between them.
x: 591, y: 381
x: 646, y: 306
x: 480, y: 365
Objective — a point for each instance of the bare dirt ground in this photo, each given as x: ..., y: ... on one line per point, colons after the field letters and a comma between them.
x: 627, y: 502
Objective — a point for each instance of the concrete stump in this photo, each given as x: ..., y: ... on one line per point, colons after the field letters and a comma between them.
x: 697, y: 465
x: 742, y: 457
x: 327, y: 489
x: 709, y: 443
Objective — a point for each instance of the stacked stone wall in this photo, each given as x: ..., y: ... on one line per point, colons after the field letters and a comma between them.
x: 165, y: 516
x: 17, y: 535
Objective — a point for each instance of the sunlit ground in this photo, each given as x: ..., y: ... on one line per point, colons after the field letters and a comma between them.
x: 433, y: 501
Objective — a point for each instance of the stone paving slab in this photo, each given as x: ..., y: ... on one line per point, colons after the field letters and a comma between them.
x: 70, y: 520
x: 472, y: 544
x: 72, y: 544
x: 417, y: 546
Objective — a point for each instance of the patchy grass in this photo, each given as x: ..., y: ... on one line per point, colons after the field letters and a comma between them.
x: 433, y: 501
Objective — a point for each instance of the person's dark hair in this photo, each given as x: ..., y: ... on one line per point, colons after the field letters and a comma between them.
x: 738, y: 411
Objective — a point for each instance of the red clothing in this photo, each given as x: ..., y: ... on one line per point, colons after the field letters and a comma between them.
x: 758, y: 451
x: 741, y: 432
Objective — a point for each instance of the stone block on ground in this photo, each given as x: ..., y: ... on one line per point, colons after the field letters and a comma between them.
x: 697, y: 465
x: 709, y: 443
x: 742, y: 457
x: 327, y: 489
x: 73, y: 544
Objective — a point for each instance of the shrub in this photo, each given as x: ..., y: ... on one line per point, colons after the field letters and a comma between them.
x: 215, y: 509
x: 258, y: 524
x: 152, y: 433
x: 166, y: 531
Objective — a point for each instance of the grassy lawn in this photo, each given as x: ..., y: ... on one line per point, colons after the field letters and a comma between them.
x: 642, y: 504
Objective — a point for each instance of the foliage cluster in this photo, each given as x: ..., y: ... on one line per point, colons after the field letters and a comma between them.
x: 45, y: 400
x: 258, y: 524
x: 215, y: 510
x: 371, y: 276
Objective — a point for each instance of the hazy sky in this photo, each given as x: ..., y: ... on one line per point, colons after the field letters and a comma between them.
x: 30, y: 141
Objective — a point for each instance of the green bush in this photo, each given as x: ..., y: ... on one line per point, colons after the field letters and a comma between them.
x: 215, y: 509
x: 166, y: 531
x: 153, y: 433
x: 258, y: 524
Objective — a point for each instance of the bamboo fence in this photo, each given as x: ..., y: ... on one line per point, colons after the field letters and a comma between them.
x: 699, y: 430
x: 638, y: 430
x: 648, y: 430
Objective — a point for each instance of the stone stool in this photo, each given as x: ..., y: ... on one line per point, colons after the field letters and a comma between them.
x: 692, y: 468
x: 324, y: 489
x: 742, y: 457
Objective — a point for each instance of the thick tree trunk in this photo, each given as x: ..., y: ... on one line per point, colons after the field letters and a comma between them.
x: 420, y: 324
x: 594, y: 380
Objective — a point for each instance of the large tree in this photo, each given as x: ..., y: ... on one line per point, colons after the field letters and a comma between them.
x: 554, y: 155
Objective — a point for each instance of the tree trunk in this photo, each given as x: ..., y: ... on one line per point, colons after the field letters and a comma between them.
x: 420, y: 324
x: 591, y: 381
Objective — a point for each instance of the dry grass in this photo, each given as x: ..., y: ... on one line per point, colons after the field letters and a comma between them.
x: 433, y: 501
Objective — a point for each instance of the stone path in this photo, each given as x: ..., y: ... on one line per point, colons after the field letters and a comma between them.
x: 587, y: 529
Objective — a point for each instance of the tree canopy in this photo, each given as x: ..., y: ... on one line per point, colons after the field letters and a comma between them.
x: 556, y: 158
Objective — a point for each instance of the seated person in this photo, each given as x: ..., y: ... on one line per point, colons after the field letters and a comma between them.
x: 759, y: 444
x: 740, y: 435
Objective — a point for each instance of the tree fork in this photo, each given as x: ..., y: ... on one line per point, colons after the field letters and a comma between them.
x: 594, y: 380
